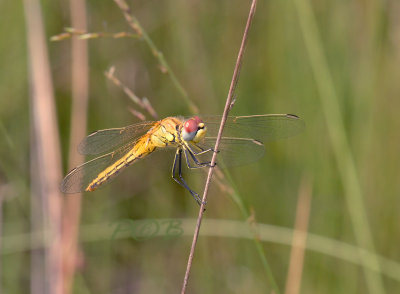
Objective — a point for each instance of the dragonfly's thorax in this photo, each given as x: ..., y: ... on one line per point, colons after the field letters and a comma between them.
x: 164, y: 133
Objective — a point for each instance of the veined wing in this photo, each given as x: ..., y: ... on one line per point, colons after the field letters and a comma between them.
x: 264, y: 127
x: 105, y: 140
x: 232, y: 151
x: 243, y: 136
x: 80, y: 177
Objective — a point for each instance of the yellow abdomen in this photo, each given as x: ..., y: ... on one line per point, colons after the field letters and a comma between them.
x: 140, y: 150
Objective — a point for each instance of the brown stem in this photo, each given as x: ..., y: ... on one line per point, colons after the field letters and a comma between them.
x: 45, y: 158
x: 228, y: 106
x: 80, y: 88
x: 143, y: 103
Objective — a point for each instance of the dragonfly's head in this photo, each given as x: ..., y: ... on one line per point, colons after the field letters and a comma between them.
x: 194, y: 130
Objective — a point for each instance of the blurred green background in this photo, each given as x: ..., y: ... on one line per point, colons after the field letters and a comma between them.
x: 200, y: 40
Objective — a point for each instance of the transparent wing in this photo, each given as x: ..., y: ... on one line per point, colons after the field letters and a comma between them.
x: 243, y: 136
x: 105, y: 140
x: 79, y: 178
x: 232, y: 151
x: 263, y: 127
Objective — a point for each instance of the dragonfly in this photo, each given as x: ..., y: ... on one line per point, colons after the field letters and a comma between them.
x: 192, y: 138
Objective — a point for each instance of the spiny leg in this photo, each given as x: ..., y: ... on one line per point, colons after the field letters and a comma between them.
x: 181, y: 181
x: 194, y: 154
x: 203, y: 151
x: 194, y: 194
x: 196, y: 161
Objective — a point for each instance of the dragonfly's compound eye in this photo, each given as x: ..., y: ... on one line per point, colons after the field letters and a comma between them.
x: 191, y: 127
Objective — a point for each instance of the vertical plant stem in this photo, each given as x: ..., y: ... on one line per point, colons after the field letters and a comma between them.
x: 45, y: 155
x: 299, y: 242
x: 72, y: 204
x: 340, y: 144
x: 228, y: 106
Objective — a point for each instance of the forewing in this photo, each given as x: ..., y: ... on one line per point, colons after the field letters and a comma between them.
x: 79, y: 178
x: 105, y: 140
x: 265, y: 127
x: 232, y: 151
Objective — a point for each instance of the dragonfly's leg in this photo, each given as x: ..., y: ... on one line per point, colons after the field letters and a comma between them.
x: 174, y: 164
x: 196, y: 161
x: 202, y: 150
x: 193, y: 155
x: 181, y: 181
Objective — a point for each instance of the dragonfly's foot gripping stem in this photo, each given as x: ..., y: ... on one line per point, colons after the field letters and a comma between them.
x: 180, y: 180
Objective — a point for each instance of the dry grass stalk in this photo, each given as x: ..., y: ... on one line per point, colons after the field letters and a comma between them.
x: 80, y: 88
x: 84, y: 35
x: 46, y: 275
x: 142, y: 102
x: 228, y: 106
x: 293, y: 281
x: 137, y: 114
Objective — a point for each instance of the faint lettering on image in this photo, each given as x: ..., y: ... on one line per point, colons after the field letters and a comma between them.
x: 146, y: 229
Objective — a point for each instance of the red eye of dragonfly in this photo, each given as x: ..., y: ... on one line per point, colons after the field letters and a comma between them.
x: 192, y: 124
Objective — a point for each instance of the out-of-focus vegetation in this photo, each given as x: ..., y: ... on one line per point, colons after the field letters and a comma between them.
x: 200, y: 40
